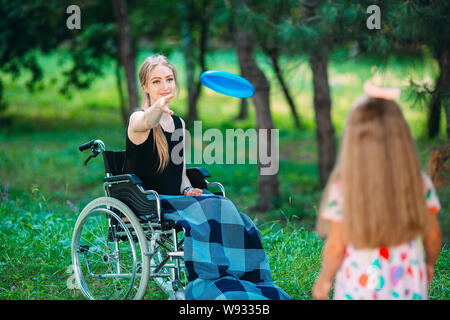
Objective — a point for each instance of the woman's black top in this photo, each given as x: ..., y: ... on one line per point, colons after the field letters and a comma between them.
x: 143, y: 161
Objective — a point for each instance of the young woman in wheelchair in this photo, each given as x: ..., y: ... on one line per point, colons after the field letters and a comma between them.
x: 148, y: 142
x: 149, y: 199
x: 223, y: 253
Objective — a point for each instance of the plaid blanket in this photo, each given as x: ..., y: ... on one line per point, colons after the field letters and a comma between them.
x: 223, y: 253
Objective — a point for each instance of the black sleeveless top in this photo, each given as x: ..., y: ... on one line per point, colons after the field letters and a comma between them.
x: 143, y: 161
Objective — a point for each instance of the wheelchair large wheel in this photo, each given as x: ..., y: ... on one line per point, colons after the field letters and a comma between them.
x: 110, y: 256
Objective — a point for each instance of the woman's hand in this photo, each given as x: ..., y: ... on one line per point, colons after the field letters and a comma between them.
x: 194, y: 192
x: 161, y: 104
x: 321, y: 289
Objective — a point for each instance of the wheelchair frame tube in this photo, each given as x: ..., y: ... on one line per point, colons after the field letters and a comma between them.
x: 216, y: 184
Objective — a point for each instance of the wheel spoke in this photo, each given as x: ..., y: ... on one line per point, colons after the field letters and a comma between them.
x: 102, y: 256
x: 114, y: 264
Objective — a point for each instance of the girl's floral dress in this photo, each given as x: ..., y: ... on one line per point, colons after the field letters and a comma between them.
x: 396, y: 272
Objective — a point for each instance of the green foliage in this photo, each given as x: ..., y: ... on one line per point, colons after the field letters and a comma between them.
x: 35, y: 246
x: 93, y: 48
x: 417, y: 21
x: 295, y: 256
x: 440, y: 287
x: 21, y: 29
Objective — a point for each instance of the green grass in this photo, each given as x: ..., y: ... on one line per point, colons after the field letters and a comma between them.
x: 48, y: 184
x: 35, y: 252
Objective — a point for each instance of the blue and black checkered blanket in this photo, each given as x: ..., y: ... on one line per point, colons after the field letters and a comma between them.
x: 223, y: 253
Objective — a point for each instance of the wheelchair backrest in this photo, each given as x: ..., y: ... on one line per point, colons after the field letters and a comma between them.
x: 114, y: 162
x: 123, y: 186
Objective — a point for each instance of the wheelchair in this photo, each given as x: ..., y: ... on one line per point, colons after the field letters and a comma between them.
x: 121, y: 241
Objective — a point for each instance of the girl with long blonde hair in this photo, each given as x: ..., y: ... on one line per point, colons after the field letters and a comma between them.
x: 149, y: 142
x: 378, y: 211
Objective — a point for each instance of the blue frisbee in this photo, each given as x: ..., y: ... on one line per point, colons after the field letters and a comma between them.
x: 227, y: 83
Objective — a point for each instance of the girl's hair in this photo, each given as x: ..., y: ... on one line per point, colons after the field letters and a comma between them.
x: 382, y: 183
x: 144, y: 76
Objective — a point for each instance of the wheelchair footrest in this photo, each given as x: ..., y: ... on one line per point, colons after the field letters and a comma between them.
x: 176, y: 254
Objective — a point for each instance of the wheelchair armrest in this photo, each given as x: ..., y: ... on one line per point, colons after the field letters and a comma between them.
x: 197, y: 176
x: 200, y: 170
x: 124, y: 177
x: 128, y: 189
x: 217, y: 184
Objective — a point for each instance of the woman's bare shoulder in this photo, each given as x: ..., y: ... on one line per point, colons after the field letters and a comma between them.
x: 136, y: 121
x: 136, y: 134
x: 136, y: 114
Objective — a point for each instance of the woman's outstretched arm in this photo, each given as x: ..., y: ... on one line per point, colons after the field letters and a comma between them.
x: 144, y: 121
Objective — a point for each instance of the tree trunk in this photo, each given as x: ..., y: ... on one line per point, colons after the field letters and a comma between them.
x: 268, y: 186
x: 127, y: 57
x: 193, y: 86
x: 434, y: 115
x: 326, y: 140
x: 447, y: 117
x: 2, y: 103
x: 444, y: 65
x: 441, y: 96
x: 188, y: 51
x: 243, y: 109
x: 123, y: 109
x: 273, y: 56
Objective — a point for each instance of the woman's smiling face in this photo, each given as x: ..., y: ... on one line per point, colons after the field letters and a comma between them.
x: 161, y: 83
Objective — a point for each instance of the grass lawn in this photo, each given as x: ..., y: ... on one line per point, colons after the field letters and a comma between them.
x: 44, y: 184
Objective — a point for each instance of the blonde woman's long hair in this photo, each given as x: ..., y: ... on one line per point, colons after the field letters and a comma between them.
x: 383, y: 189
x: 160, y: 141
